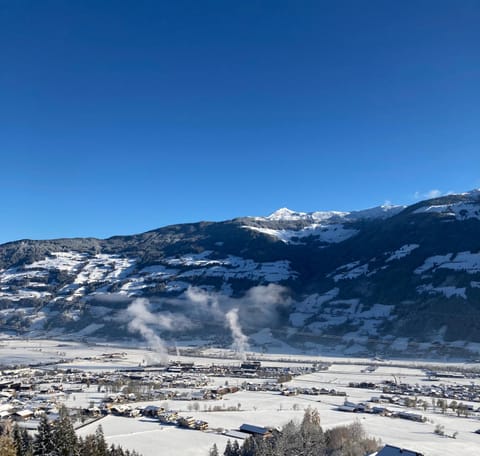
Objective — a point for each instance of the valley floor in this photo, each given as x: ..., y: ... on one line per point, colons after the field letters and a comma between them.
x: 265, y: 408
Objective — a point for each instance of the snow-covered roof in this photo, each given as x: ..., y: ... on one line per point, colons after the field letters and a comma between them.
x: 252, y: 429
x: 389, y: 450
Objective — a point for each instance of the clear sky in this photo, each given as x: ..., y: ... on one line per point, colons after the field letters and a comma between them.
x: 117, y: 117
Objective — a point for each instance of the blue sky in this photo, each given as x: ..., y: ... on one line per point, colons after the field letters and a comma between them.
x: 121, y: 116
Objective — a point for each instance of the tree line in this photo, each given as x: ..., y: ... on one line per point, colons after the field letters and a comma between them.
x: 307, y: 439
x: 57, y: 438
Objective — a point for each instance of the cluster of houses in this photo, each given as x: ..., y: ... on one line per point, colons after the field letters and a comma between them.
x: 111, y: 401
x: 165, y: 417
x: 453, y: 391
x: 290, y: 390
x: 313, y: 391
x: 28, y: 393
x: 366, y: 407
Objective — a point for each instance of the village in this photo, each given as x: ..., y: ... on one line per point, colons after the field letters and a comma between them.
x: 227, y: 398
x: 27, y: 393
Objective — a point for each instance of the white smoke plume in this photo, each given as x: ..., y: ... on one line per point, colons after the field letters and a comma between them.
x: 240, y: 340
x: 260, y: 307
x: 144, y: 322
x: 204, y: 301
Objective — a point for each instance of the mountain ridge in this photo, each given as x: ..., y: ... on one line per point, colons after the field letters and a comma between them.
x: 407, y: 278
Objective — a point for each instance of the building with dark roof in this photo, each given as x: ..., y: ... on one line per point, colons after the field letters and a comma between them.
x: 254, y: 430
x: 389, y: 450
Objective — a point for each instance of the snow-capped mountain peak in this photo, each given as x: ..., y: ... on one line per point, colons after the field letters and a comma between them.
x: 474, y: 194
x: 286, y: 214
x: 380, y: 212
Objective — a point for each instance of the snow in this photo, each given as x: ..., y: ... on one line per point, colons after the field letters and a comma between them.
x: 462, y: 261
x: 148, y: 437
x: 433, y: 262
x: 380, y: 212
x: 63, y: 261
x: 353, y: 270
x: 313, y: 303
x: 366, y: 320
x: 348, y: 266
x: 335, y: 313
x: 352, y: 273
x: 103, y: 267
x: 76, y: 294
x: 377, y: 311
x: 90, y: 329
x: 328, y: 233
x: 265, y: 408
x: 23, y: 293
x: 449, y: 292
x: 234, y: 267
x: 265, y: 339
x: 101, y: 271
x: 175, y: 286
x: 193, y: 259
x: 402, y: 252
x: 134, y: 285
x: 282, y: 235
x: 91, y: 270
x: 14, y: 274
x: 461, y: 210
x: 158, y: 270
x: 285, y: 214
x: 297, y: 319
x: 328, y: 226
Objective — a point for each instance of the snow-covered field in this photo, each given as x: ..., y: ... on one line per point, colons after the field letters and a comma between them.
x: 264, y: 408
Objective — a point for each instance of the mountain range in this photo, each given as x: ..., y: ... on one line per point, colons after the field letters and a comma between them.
x: 396, y: 280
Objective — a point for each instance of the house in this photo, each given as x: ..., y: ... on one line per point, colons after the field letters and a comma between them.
x: 411, y: 416
x: 169, y: 417
x: 186, y: 422
x: 347, y: 408
x: 389, y: 450
x: 251, y: 365
x: 152, y: 411
x: 255, y: 430
x: 236, y: 434
x: 22, y: 415
x: 200, y: 425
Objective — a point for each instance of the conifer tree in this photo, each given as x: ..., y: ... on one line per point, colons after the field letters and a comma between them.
x: 235, y: 448
x: 313, y: 440
x: 214, y: 450
x: 100, y: 444
x: 23, y: 442
x: 43, y: 443
x: 228, y: 449
x: 64, y: 438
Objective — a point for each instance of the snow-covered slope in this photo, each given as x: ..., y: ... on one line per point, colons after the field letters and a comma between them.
x: 384, y: 279
x: 327, y: 227
x: 285, y: 214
